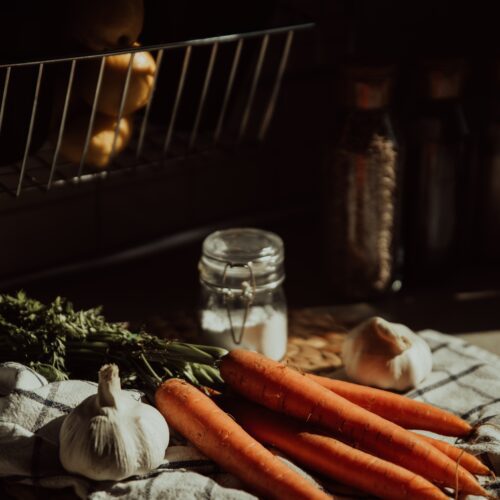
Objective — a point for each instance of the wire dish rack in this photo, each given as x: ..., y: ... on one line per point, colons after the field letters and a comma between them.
x: 187, y: 121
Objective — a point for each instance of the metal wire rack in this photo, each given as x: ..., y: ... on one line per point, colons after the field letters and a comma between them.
x: 154, y: 141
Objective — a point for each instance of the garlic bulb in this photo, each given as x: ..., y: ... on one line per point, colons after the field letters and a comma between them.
x: 386, y: 355
x: 111, y: 436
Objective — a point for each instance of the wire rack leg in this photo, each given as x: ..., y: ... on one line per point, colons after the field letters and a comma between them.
x: 122, y: 103
x: 30, y: 130
x: 145, y: 119
x: 4, y: 95
x: 92, y: 117
x: 268, y: 114
x: 206, y: 85
x: 178, y: 96
x: 253, y: 88
x: 63, y: 123
x: 229, y: 89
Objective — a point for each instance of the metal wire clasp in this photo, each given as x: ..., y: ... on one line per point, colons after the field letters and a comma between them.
x: 247, y: 296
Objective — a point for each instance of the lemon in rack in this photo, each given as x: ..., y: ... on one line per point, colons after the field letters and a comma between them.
x: 116, y: 67
x: 100, y: 147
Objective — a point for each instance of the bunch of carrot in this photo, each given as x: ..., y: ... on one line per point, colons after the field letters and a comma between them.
x: 353, y: 434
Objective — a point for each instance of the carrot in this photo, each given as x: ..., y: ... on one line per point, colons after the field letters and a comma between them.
x: 280, y: 388
x: 466, y: 460
x: 401, y: 410
x: 330, y: 457
x: 218, y: 436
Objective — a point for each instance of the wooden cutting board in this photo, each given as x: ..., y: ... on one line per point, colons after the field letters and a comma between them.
x: 314, y: 340
x: 315, y: 335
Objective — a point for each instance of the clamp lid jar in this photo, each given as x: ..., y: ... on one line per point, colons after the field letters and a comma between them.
x: 242, y: 300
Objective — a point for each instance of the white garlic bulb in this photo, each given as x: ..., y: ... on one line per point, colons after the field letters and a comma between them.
x: 111, y: 436
x: 386, y: 355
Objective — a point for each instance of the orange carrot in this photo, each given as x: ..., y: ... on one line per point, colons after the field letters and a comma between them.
x: 466, y: 460
x: 218, y: 436
x: 401, y: 410
x: 330, y: 457
x: 280, y: 388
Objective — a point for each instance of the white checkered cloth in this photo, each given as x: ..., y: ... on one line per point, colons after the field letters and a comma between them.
x: 31, y: 413
x: 465, y: 380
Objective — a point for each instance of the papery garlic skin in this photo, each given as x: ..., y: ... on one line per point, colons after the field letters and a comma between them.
x: 386, y: 355
x: 111, y: 436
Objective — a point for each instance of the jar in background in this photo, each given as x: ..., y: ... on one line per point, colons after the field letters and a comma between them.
x: 242, y: 300
x: 361, y: 189
x: 489, y: 194
x: 436, y: 171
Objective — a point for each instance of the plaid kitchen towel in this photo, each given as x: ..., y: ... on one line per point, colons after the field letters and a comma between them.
x: 31, y: 413
x: 465, y: 380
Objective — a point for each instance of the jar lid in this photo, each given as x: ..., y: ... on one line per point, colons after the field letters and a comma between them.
x: 444, y: 78
x: 234, y: 255
x: 367, y: 87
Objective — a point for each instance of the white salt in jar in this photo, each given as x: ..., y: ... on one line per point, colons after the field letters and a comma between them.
x: 242, y: 300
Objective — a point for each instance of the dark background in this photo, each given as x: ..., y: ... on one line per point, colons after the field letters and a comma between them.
x: 277, y: 185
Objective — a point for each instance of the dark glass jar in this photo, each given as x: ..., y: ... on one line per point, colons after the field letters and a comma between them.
x: 361, y: 190
x: 436, y: 172
x: 489, y: 195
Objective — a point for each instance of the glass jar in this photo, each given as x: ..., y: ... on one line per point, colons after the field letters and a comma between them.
x: 436, y: 177
x: 242, y: 300
x: 489, y: 188
x: 361, y: 189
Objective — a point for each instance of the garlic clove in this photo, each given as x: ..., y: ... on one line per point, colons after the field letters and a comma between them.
x: 112, y: 436
x: 397, y: 337
x: 386, y: 355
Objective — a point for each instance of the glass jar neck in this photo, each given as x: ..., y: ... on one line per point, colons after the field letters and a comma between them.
x: 239, y: 258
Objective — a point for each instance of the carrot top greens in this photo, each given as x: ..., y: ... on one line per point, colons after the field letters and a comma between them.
x: 59, y: 341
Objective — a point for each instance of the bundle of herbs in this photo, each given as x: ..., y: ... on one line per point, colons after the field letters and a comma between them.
x: 60, y: 342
